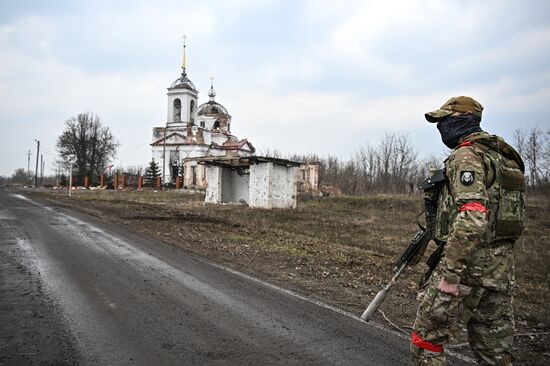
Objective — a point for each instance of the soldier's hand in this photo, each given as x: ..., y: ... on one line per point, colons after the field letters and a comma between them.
x: 448, y: 288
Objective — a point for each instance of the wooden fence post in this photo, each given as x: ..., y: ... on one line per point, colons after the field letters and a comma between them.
x: 101, y: 180
x: 178, y: 182
x: 158, y: 182
x: 116, y: 181
x: 140, y: 182
x: 123, y: 181
x: 86, y: 181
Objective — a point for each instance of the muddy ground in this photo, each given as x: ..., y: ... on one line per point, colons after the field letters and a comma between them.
x: 30, y: 331
x: 336, y: 250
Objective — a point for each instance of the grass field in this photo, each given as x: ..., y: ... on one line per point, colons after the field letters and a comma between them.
x: 337, y: 250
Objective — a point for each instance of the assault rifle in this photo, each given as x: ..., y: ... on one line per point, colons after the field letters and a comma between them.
x: 410, y: 257
x: 418, y: 244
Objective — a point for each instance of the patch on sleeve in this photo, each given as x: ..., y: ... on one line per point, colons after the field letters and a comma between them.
x: 467, y: 177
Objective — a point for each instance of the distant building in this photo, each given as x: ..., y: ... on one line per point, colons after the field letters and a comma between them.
x: 193, y: 132
x: 255, y: 181
x: 307, y: 177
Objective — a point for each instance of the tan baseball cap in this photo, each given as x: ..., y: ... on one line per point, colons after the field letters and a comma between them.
x: 460, y: 104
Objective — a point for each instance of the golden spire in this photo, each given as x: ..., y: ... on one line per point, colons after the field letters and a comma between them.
x: 183, y: 64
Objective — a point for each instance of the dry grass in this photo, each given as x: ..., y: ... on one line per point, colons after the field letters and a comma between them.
x: 338, y: 250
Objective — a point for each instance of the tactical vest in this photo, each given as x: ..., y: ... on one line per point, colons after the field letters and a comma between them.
x: 505, y: 186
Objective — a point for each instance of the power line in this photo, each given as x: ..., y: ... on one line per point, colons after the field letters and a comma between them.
x: 12, y: 154
x: 133, y: 148
x: 47, y: 152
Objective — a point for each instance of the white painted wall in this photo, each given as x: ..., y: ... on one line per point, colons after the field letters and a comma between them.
x: 267, y: 186
x: 283, y: 187
x: 214, y: 189
x: 259, y: 185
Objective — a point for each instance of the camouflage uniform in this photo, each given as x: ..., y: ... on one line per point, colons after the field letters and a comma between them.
x: 479, y: 216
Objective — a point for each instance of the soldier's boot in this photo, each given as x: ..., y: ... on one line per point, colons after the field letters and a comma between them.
x: 425, y: 357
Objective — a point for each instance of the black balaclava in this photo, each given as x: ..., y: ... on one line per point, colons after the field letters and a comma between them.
x: 453, y: 128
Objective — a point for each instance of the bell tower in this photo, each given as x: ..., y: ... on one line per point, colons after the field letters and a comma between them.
x: 182, y: 98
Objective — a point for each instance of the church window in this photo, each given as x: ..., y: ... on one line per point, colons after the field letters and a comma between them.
x: 202, y: 124
x: 174, y: 157
x: 191, y: 112
x: 177, y: 110
x: 216, y: 125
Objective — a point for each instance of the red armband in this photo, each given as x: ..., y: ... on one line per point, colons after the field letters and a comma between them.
x: 472, y: 206
x: 420, y: 343
x: 466, y: 143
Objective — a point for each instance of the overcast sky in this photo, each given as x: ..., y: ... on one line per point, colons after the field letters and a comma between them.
x: 321, y: 77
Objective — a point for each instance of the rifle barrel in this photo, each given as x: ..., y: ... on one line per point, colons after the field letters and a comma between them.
x: 381, y: 295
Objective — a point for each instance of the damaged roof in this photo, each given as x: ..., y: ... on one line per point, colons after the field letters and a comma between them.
x: 212, y: 108
x: 243, y: 161
x: 235, y: 145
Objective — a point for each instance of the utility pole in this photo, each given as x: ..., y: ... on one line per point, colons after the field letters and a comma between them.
x: 163, y: 157
x: 28, y: 166
x: 71, y: 179
x: 41, y: 170
x: 36, y: 170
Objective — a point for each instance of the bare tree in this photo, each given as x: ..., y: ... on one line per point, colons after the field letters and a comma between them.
x: 534, y: 148
x: 19, y: 176
x: 89, y: 143
x: 366, y: 158
x: 391, y: 166
x: 271, y: 153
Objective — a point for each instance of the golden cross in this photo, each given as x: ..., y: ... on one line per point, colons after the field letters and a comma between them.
x: 184, y: 62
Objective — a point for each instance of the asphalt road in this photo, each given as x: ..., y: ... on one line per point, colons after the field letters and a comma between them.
x: 120, y: 299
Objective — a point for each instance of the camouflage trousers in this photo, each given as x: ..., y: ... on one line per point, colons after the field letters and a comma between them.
x: 486, y: 313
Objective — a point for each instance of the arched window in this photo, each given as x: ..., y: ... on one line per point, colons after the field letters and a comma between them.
x: 177, y: 110
x: 202, y: 124
x: 216, y: 125
x: 192, y: 112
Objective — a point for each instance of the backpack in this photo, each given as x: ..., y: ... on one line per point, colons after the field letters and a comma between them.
x: 505, y: 188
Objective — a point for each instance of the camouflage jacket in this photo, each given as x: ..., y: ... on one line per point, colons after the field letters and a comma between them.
x: 480, y: 212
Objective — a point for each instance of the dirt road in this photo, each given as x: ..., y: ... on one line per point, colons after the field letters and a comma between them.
x: 110, y: 297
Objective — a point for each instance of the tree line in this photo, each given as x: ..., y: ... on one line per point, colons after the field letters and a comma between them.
x: 392, y: 165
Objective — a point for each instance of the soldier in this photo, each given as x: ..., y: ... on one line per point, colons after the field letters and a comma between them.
x: 480, y: 214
